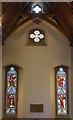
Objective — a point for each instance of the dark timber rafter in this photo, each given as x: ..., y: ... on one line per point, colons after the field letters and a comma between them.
x: 31, y: 16
x: 15, y: 14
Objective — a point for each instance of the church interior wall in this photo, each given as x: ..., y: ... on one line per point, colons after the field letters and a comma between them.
x: 36, y: 82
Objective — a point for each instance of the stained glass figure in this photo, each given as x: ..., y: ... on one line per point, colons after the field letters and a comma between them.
x: 61, y: 86
x: 11, y: 91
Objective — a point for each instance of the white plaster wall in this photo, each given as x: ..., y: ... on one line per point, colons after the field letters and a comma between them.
x: 36, y: 78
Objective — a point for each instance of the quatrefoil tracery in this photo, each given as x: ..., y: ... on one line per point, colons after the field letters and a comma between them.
x: 37, y: 36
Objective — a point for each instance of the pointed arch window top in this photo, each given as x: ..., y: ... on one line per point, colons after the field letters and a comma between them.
x: 61, y: 71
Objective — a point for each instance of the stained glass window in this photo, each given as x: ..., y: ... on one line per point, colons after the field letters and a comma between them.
x: 61, y: 90
x: 36, y: 36
x: 37, y: 8
x: 11, y: 91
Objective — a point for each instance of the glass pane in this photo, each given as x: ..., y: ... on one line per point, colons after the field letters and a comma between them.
x: 61, y: 78
x: 11, y: 91
x: 37, y: 8
x: 36, y: 35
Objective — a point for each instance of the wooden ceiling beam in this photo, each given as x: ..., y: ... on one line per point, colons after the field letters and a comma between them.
x: 23, y: 5
x: 5, y: 6
x: 62, y: 11
x: 27, y: 5
x: 9, y: 13
x: 19, y: 25
x: 42, y: 14
x: 31, y: 16
x: 64, y: 14
x: 55, y: 25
